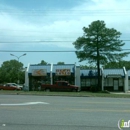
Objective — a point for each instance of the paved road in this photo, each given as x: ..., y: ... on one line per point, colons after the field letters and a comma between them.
x: 19, y: 112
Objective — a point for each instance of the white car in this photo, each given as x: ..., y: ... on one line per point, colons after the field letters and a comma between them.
x: 17, y: 85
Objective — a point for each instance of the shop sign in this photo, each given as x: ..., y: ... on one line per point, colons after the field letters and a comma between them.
x: 39, y: 72
x: 63, y: 72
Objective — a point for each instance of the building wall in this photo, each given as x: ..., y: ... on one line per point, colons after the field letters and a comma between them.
x: 81, y: 78
x: 77, y: 77
x: 88, y: 82
x: 109, y: 84
x: 129, y: 83
x: 48, y: 74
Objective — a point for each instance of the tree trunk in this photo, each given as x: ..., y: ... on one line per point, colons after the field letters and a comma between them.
x: 98, y: 65
x: 98, y: 70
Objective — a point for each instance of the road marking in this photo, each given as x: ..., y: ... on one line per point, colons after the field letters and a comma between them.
x: 114, y: 103
x: 100, y: 110
x: 23, y: 104
x: 3, y: 124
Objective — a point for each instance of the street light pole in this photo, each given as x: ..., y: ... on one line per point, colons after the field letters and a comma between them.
x: 18, y: 57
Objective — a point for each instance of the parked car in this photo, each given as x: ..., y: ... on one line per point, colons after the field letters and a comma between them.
x: 9, y: 86
x: 59, y: 86
x: 17, y: 85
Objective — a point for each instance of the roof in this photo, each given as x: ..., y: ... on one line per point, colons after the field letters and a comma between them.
x: 37, y: 67
x: 88, y: 72
x: 106, y: 72
x: 113, y: 72
x: 55, y: 67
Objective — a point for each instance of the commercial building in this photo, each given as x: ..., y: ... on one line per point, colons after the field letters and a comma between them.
x: 111, y: 79
x: 48, y: 74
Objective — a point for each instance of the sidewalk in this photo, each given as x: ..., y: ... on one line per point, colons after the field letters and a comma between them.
x: 128, y: 92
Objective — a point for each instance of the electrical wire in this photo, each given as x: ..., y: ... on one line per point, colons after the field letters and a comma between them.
x: 44, y: 51
x: 33, y: 51
x: 47, y: 13
x: 2, y: 42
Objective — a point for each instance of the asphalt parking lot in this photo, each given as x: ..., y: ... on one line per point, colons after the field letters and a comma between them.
x: 23, y: 112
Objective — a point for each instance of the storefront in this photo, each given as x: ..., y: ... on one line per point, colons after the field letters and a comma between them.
x: 128, y: 79
x: 111, y: 79
x: 88, y: 79
x: 115, y: 80
x: 64, y: 72
x: 37, y: 74
x: 48, y: 74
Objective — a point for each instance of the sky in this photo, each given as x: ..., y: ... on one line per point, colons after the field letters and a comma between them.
x: 53, y: 25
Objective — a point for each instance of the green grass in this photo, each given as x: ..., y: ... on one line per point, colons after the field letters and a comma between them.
x: 73, y: 94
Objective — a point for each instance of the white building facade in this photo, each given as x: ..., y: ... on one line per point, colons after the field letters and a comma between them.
x: 111, y: 79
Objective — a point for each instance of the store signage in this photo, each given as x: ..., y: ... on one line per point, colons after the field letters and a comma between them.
x: 63, y: 72
x: 39, y: 72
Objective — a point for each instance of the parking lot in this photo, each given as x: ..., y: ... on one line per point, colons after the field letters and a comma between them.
x: 23, y: 112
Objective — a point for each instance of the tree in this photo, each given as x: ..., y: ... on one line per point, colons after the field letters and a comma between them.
x: 119, y: 64
x: 43, y: 62
x: 82, y: 67
x: 60, y: 63
x: 11, y: 70
x: 99, y: 44
x: 112, y: 65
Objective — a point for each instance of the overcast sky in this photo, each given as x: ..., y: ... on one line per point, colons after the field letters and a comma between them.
x: 53, y: 25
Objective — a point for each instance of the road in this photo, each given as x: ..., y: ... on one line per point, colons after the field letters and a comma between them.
x: 20, y: 112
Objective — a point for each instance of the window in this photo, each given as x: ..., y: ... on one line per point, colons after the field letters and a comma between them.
x: 121, y: 82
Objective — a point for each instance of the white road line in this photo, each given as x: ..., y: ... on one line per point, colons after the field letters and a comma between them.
x: 3, y: 124
x: 23, y: 104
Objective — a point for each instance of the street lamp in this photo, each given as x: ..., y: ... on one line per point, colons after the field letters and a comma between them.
x: 18, y: 57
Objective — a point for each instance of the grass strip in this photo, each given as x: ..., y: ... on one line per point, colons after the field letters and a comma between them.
x: 73, y: 94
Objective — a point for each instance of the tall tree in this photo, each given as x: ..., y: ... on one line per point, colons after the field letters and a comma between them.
x: 12, y: 71
x: 99, y: 44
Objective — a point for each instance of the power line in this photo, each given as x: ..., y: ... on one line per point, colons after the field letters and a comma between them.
x: 42, y: 41
x: 47, y: 13
x: 68, y: 10
x: 37, y: 41
x: 44, y: 51
x: 42, y: 31
x: 33, y: 51
x: 68, y: 15
x: 81, y: 10
x: 62, y: 10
